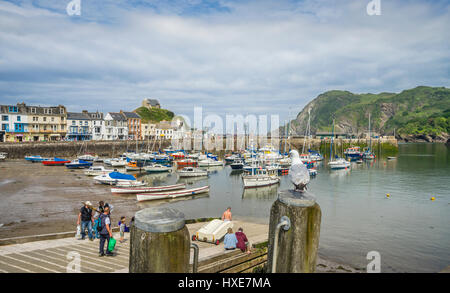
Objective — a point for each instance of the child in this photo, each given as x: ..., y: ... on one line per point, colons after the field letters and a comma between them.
x: 122, y: 227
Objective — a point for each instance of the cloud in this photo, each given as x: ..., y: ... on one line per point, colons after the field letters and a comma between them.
x: 234, y: 57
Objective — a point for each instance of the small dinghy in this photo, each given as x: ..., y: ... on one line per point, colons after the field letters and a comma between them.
x: 312, y: 172
x: 55, y: 162
x: 213, y: 231
x: 125, y: 184
x: 192, y: 172
x: 35, y: 159
x: 136, y: 190
x: 172, y: 194
x: 208, y: 162
x: 391, y: 158
x: 88, y: 157
x: 78, y: 164
x: 237, y: 164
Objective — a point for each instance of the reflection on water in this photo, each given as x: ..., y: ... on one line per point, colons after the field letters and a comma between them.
x: 262, y: 193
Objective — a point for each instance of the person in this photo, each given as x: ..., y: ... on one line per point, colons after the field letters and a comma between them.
x: 98, y: 212
x: 86, y: 220
x: 227, y: 215
x: 230, y: 240
x: 122, y: 227
x: 105, y: 233
x: 242, y: 241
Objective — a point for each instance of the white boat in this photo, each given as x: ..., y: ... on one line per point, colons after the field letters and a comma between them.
x: 171, y: 194
x: 135, y: 190
x: 312, y: 172
x: 121, y: 162
x: 208, y: 162
x: 192, y: 172
x: 88, y: 157
x: 259, y: 178
x: 3, y: 156
x: 115, y: 178
x: 157, y: 168
x: 339, y: 164
x: 213, y: 231
x: 136, y: 183
x: 97, y: 170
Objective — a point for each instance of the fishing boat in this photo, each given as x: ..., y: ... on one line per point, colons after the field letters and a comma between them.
x: 260, y: 178
x: 114, y: 178
x: 35, y: 159
x: 209, y: 162
x: 118, y: 162
x: 136, y: 190
x: 55, y: 162
x: 157, y: 168
x: 192, y: 172
x: 237, y: 164
x: 171, y: 194
x: 187, y: 162
x: 97, y: 170
x: 339, y: 163
x: 78, y: 164
x: 353, y: 153
x: 88, y: 157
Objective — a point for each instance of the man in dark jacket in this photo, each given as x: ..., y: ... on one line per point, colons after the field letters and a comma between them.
x: 105, y: 232
x: 86, y: 220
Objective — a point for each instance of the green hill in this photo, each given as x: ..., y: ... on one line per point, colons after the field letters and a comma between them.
x: 154, y: 114
x: 422, y: 111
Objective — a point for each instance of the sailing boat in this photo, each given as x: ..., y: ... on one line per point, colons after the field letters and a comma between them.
x: 368, y: 155
x: 260, y: 177
x: 337, y: 163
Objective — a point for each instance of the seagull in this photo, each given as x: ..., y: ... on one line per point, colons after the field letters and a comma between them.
x: 298, y: 173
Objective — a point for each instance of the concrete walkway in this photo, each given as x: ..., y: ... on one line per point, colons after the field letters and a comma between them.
x: 60, y: 255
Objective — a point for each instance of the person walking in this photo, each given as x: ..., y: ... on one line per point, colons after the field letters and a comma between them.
x: 105, y: 232
x: 97, y: 214
x: 230, y: 240
x: 86, y: 220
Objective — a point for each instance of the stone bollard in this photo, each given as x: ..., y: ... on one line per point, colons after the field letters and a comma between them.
x: 295, y: 217
x: 160, y: 242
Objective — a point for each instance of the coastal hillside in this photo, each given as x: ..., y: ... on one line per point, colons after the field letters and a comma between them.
x: 419, y: 114
x: 154, y: 114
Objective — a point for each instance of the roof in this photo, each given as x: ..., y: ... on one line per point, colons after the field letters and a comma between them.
x: 131, y: 115
x: 117, y: 116
x: 84, y: 116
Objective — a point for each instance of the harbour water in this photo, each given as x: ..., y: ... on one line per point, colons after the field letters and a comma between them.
x: 410, y: 231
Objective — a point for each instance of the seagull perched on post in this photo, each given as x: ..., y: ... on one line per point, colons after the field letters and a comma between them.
x: 298, y: 173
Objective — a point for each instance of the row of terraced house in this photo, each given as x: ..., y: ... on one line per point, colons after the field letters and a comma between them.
x: 21, y: 122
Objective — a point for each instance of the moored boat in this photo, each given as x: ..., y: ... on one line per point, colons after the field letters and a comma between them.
x: 97, y: 170
x: 55, y: 162
x: 35, y: 159
x: 78, y: 164
x: 208, y: 162
x: 237, y: 164
x: 187, y: 162
x: 135, y: 190
x: 114, y: 178
x: 260, y: 178
x: 339, y: 163
x: 192, y: 172
x: 157, y: 168
x: 171, y: 194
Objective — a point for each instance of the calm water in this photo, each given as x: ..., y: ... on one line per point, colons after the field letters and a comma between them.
x: 411, y: 232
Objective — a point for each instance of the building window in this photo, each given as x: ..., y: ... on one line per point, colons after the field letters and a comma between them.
x: 18, y: 118
x: 61, y: 110
x: 33, y: 110
x: 73, y: 122
x: 5, y: 127
x: 5, y: 118
x: 45, y: 119
x: 53, y: 119
x: 13, y: 109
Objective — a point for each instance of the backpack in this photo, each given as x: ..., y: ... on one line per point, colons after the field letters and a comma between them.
x: 99, y: 224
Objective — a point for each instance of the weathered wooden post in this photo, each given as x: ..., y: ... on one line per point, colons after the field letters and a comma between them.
x: 160, y: 242
x: 294, y: 227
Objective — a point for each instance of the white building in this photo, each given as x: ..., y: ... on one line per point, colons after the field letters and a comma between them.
x: 116, y: 127
x: 84, y: 126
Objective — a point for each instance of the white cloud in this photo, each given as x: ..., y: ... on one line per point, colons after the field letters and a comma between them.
x: 255, y: 57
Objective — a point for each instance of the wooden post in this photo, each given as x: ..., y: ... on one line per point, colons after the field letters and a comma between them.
x: 160, y: 242
x: 297, y: 246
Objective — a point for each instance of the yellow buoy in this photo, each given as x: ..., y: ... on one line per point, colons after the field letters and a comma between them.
x: 432, y: 198
x: 388, y: 195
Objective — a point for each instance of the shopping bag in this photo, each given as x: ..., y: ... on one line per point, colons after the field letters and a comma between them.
x: 111, y: 244
x: 78, y: 235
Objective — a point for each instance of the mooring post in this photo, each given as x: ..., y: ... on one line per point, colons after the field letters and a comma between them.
x: 160, y: 242
x: 293, y: 233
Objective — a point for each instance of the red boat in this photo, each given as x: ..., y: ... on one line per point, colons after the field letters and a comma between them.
x: 177, y: 156
x: 187, y: 162
x: 55, y: 162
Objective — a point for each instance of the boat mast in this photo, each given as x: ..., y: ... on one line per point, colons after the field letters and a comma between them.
x: 370, y: 136
x: 331, y: 144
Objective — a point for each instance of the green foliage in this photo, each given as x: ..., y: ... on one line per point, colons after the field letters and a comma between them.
x: 154, y: 114
x: 422, y: 110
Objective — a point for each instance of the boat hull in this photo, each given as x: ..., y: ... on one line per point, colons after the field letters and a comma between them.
x: 173, y: 194
x: 136, y: 190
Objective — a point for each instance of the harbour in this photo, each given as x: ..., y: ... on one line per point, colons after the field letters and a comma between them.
x: 358, y: 216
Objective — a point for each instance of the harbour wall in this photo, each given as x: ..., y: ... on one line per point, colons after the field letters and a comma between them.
x: 18, y: 150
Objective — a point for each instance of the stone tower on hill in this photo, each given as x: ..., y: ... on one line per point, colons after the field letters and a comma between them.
x: 151, y: 103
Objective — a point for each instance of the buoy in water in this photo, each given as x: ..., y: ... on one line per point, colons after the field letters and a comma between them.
x: 388, y: 195
x: 432, y: 198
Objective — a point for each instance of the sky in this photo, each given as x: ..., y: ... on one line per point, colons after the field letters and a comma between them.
x: 228, y: 57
